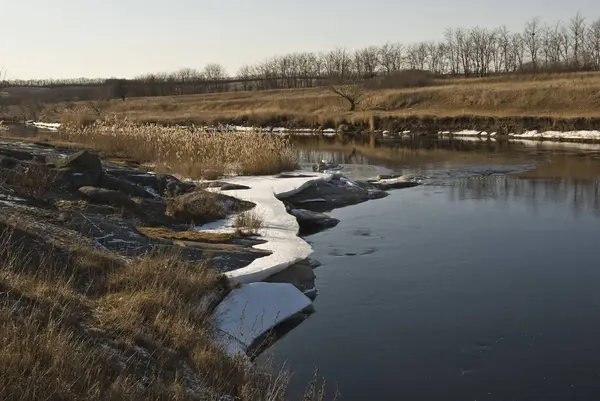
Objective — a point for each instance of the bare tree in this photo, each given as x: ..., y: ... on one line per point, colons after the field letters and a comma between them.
x: 531, y: 39
x: 593, y: 43
x: 463, y: 45
x: 452, y: 51
x: 390, y: 57
x: 351, y: 90
x: 577, y: 30
x: 518, y: 51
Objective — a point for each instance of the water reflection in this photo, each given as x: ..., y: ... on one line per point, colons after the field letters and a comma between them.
x: 577, y: 194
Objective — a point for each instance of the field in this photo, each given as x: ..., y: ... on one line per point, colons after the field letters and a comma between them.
x: 517, y: 97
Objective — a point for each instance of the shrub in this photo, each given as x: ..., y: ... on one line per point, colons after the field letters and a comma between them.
x: 248, y: 223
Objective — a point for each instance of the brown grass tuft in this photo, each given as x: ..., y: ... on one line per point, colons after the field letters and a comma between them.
x: 248, y: 223
x: 197, y: 207
x: 200, y: 236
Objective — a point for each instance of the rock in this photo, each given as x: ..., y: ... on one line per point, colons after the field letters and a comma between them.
x: 17, y: 154
x: 393, y: 184
x: 8, y: 162
x: 233, y: 187
x: 285, y: 175
x: 80, y: 161
x: 81, y: 169
x: 142, y: 179
x: 224, y: 186
x: 333, y: 195
x: 177, y: 188
x: 74, y: 179
x: 313, y: 222
x: 324, y: 166
x: 109, y: 197
x: 126, y: 187
x: 39, y: 159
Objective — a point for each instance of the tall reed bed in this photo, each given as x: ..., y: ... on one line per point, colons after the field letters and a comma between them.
x: 189, y: 151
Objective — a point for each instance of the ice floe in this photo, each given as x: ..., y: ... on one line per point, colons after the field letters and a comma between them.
x: 250, y: 311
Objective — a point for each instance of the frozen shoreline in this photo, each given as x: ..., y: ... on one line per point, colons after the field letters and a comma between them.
x: 253, y: 309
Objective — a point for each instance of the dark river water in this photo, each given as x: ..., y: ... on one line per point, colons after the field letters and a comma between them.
x: 482, y: 284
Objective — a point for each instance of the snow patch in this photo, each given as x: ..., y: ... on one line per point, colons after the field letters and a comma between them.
x: 48, y: 126
x: 280, y: 228
x: 573, y: 135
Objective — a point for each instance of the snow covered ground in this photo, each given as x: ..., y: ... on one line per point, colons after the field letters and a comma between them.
x: 568, y: 135
x: 48, y: 126
x: 280, y: 229
x: 252, y: 310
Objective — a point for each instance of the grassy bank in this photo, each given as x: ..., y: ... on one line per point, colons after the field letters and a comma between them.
x: 564, y: 101
x: 100, y: 301
x: 80, y: 324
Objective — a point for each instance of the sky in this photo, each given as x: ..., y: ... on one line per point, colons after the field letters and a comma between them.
x: 126, y: 38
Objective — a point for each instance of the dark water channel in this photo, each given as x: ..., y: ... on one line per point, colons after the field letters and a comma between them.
x: 482, y: 284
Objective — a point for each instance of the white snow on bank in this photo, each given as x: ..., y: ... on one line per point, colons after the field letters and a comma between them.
x: 252, y: 310
x: 549, y: 135
x: 572, y: 135
x: 48, y: 126
x: 280, y: 228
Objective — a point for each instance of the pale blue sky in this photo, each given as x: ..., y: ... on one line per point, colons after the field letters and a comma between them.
x: 124, y: 38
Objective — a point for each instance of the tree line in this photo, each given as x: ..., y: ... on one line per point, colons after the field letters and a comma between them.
x: 573, y: 45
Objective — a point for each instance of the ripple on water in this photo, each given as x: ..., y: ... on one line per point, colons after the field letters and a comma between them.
x: 340, y: 253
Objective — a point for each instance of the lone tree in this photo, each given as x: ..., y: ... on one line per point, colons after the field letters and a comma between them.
x: 352, y: 90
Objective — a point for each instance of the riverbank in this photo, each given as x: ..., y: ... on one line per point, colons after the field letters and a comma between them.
x: 146, y: 285
x: 559, y: 102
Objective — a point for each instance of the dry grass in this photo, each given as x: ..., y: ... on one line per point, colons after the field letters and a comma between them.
x: 197, y: 207
x: 30, y: 181
x: 200, y: 236
x: 187, y: 151
x: 552, y: 95
x: 143, y: 333
x: 248, y: 223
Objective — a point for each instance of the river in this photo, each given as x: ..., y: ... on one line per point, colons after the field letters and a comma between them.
x: 482, y: 284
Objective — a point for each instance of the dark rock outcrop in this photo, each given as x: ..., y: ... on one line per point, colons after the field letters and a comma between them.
x: 124, y: 186
x: 80, y: 161
x: 312, y: 222
x: 177, y: 188
x: 108, y: 197
x: 17, y: 154
x: 8, y: 162
x: 224, y: 186
x: 80, y: 169
x: 323, y: 166
x: 324, y: 196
